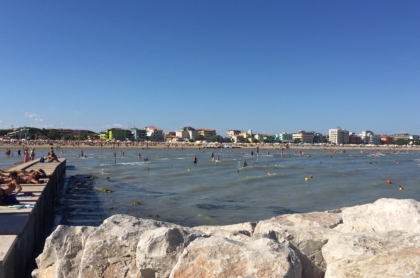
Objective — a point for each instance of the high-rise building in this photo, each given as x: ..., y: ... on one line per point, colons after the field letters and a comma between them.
x: 338, y: 136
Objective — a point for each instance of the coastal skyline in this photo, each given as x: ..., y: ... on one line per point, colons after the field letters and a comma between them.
x: 266, y: 66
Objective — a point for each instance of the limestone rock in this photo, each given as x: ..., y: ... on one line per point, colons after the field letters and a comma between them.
x: 63, y: 252
x: 110, y: 250
x: 395, y: 254
x: 382, y: 216
x: 381, y: 239
x: 221, y: 257
x: 306, y: 233
x: 158, y: 250
x: 239, y: 232
x: 327, y: 219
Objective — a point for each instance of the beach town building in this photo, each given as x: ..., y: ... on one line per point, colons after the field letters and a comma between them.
x: 368, y: 137
x: 319, y: 138
x: 233, y: 132
x: 387, y: 139
x: 237, y: 138
x: 138, y: 134
x: 338, y: 136
x: 154, y: 134
x: 113, y: 134
x: 249, y: 136
x: 303, y: 137
x: 187, y: 133
x: 173, y: 138
x: 355, y: 139
x: 21, y: 133
x: 268, y: 138
x: 207, y: 133
x: 405, y: 136
x: 284, y: 137
x: 77, y: 133
x: 258, y: 137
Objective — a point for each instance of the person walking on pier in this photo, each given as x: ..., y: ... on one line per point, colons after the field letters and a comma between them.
x: 32, y: 154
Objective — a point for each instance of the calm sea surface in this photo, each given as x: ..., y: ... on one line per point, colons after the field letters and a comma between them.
x: 209, y: 193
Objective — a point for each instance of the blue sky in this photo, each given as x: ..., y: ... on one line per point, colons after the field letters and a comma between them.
x: 269, y: 66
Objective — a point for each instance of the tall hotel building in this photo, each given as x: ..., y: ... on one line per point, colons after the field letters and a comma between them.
x: 339, y: 136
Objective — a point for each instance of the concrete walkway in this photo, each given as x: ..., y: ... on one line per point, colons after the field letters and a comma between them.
x: 23, y: 229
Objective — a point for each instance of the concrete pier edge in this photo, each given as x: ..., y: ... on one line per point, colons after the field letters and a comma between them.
x: 23, y: 231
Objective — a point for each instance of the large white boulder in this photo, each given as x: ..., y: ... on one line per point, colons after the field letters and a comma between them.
x: 373, y: 240
x: 221, y: 257
x: 395, y: 254
x: 110, y: 250
x: 382, y: 216
x: 63, y: 251
x: 306, y: 233
x: 158, y: 250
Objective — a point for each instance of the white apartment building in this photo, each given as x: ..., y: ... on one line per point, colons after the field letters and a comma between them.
x: 187, y: 133
x: 154, y: 134
x: 405, y: 136
x: 368, y: 137
x: 339, y: 136
x: 303, y: 136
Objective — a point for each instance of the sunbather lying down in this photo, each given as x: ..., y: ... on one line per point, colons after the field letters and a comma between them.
x: 32, y: 176
x: 6, y: 192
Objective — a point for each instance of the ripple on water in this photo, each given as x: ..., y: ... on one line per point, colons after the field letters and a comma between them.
x: 219, y: 207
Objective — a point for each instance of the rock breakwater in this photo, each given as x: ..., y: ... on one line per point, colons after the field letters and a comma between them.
x: 381, y: 239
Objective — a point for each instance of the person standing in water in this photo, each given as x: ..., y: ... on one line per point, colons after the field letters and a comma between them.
x: 25, y: 156
x: 195, y: 160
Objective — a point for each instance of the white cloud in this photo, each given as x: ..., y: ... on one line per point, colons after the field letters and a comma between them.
x: 117, y: 125
x: 33, y: 116
x: 29, y: 115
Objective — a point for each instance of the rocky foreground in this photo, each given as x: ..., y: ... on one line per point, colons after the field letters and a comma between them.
x: 373, y: 240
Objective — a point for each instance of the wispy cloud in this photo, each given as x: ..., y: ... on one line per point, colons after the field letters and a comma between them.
x: 33, y: 116
x: 117, y: 125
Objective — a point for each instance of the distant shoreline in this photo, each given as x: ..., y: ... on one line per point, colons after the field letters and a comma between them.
x: 162, y: 146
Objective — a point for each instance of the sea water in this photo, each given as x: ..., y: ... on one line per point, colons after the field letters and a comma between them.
x: 170, y: 187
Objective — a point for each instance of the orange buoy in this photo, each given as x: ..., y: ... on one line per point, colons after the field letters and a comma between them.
x: 310, y: 176
x: 388, y: 181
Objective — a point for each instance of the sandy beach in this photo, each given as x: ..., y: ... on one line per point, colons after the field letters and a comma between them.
x: 172, y: 146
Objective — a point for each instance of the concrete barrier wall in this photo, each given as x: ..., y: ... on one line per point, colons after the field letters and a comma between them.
x: 23, y: 232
